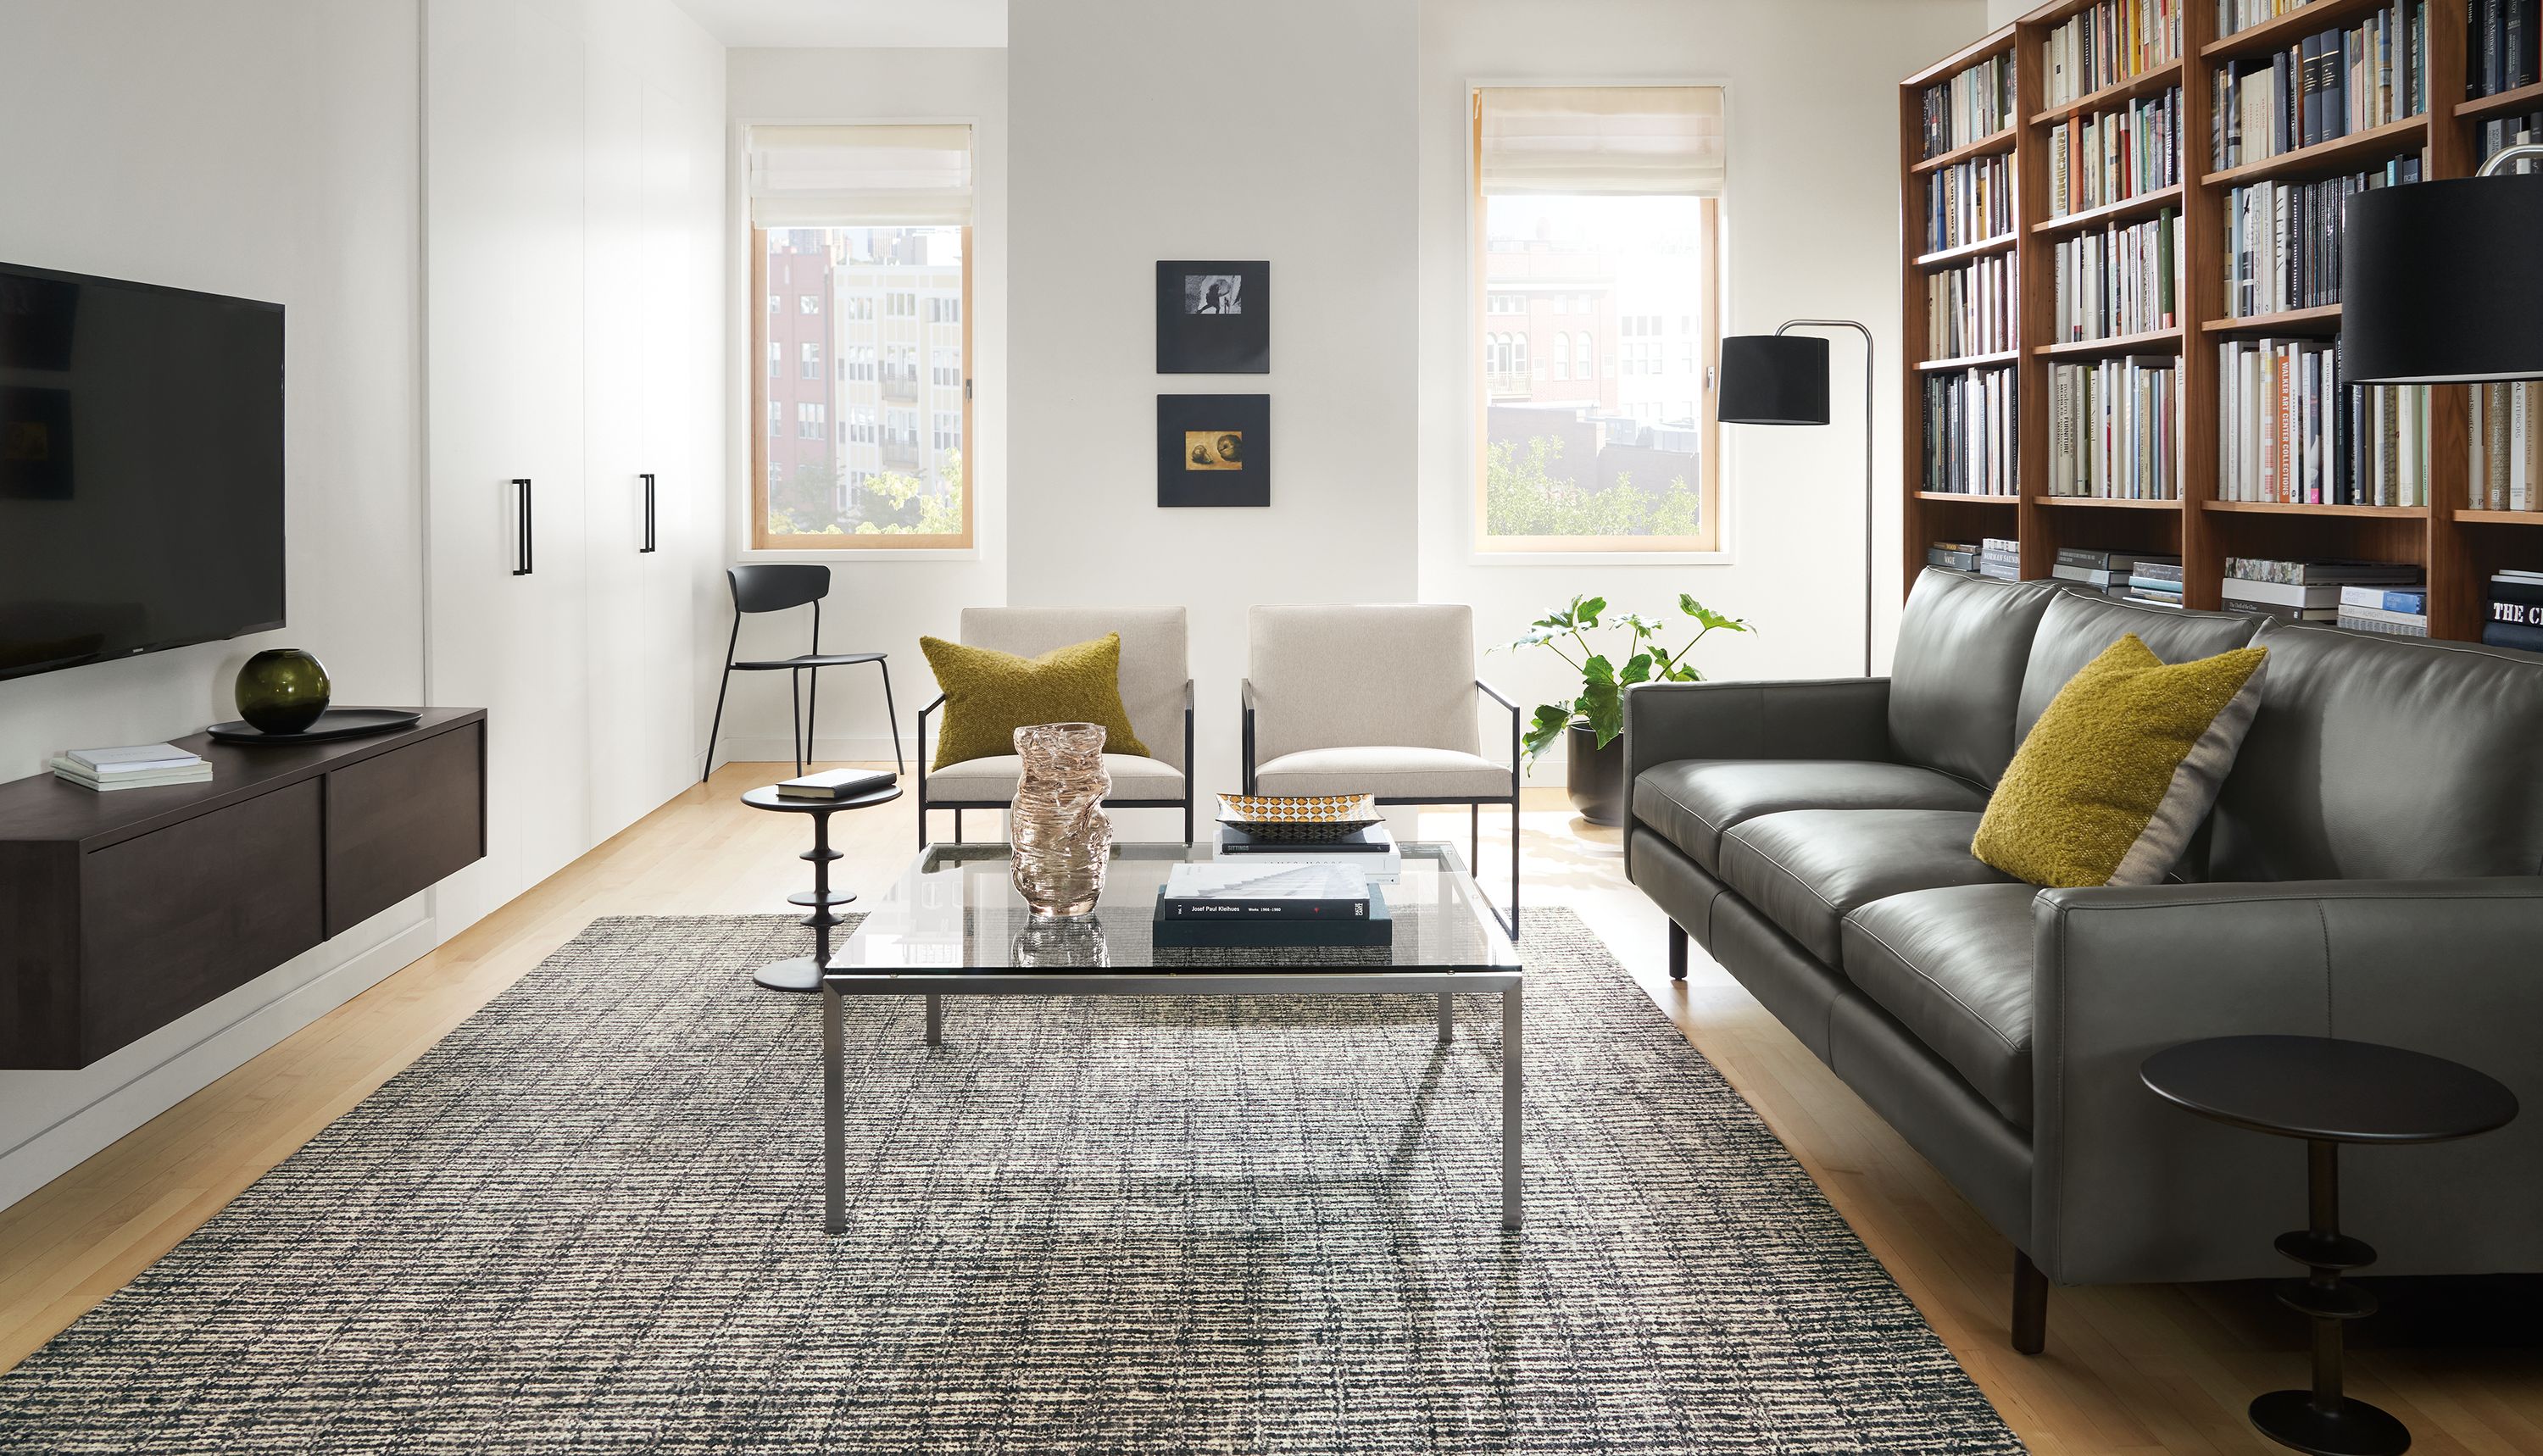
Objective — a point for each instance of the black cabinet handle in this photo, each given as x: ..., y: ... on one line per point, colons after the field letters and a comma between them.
x: 650, y: 540
x: 522, y: 488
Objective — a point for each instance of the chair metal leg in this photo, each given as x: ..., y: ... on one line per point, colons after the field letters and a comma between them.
x: 957, y: 827
x: 1474, y: 836
x: 1514, y: 864
x: 795, y: 716
x: 891, y: 716
x: 718, y: 726
x: 811, y: 717
x: 2029, y: 1306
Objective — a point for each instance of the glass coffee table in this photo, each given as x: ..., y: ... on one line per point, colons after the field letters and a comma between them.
x: 953, y: 925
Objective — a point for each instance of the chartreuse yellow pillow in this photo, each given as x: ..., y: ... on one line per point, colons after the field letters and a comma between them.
x: 989, y: 694
x: 2117, y: 775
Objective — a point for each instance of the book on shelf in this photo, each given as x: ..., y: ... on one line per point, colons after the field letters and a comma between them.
x: 1372, y: 851
x: 840, y: 783
x: 2326, y: 86
x: 2496, y: 135
x: 2290, y: 431
x: 2107, y: 43
x: 1279, y: 889
x: 2390, y: 624
x: 2000, y: 558
x: 1974, y: 104
x: 2138, y: 596
x: 1968, y: 202
x: 2162, y: 570
x: 2122, y: 562
x: 2114, y: 428
x: 2155, y: 586
x: 2329, y: 614
x: 2243, y: 590
x: 122, y: 776
x: 2407, y: 600
x: 2322, y: 572
x: 2114, y: 155
x: 1970, y: 309
x: 2505, y: 432
x: 2502, y: 634
x: 1969, y: 445
x: 2117, y: 280
x: 136, y: 758
x: 1959, y: 561
x: 2500, y: 53
x: 2282, y: 239
x: 2517, y: 600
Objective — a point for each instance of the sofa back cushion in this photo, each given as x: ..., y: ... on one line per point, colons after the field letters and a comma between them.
x: 1963, y: 643
x: 2384, y: 758
x: 2080, y: 626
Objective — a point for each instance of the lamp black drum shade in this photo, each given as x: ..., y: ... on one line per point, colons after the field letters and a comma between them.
x: 1774, y: 379
x: 2442, y: 282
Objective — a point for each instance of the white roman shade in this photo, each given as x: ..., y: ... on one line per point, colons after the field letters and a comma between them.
x: 876, y: 175
x: 1601, y: 140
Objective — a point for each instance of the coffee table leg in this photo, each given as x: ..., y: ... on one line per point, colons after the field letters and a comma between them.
x: 834, y: 1136
x: 935, y: 1020
x: 1447, y: 1019
x: 1511, y: 1083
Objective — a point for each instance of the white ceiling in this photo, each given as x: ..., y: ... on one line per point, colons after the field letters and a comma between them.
x: 799, y: 22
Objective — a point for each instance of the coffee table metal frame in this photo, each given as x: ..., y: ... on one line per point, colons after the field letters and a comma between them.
x: 1214, y: 980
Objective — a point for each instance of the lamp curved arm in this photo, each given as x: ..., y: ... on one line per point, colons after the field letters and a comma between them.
x: 1869, y: 385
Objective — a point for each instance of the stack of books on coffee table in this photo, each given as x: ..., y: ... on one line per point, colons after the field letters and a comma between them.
x: 1372, y: 850
x: 1271, y: 903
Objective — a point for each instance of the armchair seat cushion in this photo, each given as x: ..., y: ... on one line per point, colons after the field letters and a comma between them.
x: 1388, y: 773
x: 993, y: 779
x: 1953, y: 966
x: 1807, y: 869
x: 1693, y: 801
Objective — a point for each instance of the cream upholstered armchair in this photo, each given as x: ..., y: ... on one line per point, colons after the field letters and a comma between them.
x: 1377, y: 700
x: 1156, y: 691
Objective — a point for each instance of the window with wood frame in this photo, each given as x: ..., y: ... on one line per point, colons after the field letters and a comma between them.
x: 861, y: 242
x: 1597, y: 235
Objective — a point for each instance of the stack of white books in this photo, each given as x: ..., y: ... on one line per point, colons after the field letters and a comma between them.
x: 142, y: 766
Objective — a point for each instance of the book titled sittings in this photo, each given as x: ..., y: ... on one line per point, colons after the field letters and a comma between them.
x: 841, y: 782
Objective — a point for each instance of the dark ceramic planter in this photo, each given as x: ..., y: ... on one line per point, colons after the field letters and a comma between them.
x: 1595, y: 776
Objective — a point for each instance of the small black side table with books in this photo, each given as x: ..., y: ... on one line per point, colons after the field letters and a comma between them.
x: 804, y: 973
x: 2328, y: 1092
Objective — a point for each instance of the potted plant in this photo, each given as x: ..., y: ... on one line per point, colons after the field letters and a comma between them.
x: 1592, y: 724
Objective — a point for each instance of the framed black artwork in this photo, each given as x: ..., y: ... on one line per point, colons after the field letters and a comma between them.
x: 1213, y: 449
x: 1213, y: 318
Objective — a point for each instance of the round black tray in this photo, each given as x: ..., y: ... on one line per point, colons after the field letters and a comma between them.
x: 335, y: 723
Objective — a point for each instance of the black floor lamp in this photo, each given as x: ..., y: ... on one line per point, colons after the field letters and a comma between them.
x: 1782, y: 378
x: 2438, y: 281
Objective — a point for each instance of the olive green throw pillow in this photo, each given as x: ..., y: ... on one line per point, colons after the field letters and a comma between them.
x: 2121, y: 769
x: 989, y: 694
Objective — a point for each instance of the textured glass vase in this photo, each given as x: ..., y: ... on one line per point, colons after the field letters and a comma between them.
x: 282, y: 690
x: 1062, y: 836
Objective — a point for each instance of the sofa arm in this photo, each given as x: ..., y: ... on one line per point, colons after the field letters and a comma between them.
x: 2128, y: 1187
x: 1819, y: 717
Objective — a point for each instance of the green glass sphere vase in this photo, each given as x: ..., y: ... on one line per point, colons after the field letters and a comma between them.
x: 282, y: 690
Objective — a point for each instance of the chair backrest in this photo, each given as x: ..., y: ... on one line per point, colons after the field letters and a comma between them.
x: 1393, y: 675
x: 1155, y: 661
x: 770, y: 586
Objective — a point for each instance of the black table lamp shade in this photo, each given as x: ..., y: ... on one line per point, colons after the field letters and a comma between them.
x: 1774, y: 379
x: 2442, y: 283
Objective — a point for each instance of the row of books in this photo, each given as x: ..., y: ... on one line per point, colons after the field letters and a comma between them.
x: 2515, y: 611
x: 1970, y: 439
x: 2499, y: 133
x: 2147, y: 579
x: 2114, y: 429
x: 1974, y: 104
x: 2506, y: 429
x: 2385, y: 597
x: 2290, y: 431
x: 2118, y: 280
x: 2106, y: 43
x: 2243, y: 15
x: 2282, y: 239
x: 2400, y: 610
x: 2324, y: 86
x: 139, y: 766
x: 2500, y: 53
x: 1995, y: 556
x: 1968, y: 203
x: 2114, y: 155
x: 1970, y: 309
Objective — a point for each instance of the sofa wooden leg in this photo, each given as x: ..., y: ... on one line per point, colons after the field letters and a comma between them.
x: 2029, y: 1306
x: 1678, y: 952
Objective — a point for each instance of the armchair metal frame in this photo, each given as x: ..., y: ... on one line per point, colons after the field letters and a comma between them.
x: 959, y: 804
x: 1474, y: 803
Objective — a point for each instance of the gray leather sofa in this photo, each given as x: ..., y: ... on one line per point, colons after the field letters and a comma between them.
x: 2370, y: 870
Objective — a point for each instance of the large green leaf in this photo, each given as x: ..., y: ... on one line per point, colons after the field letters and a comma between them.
x: 1638, y: 668
x: 1708, y: 618
x: 1550, y: 721
x: 1602, y: 701
x: 1585, y: 610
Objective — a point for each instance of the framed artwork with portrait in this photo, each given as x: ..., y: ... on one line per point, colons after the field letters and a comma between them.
x: 1213, y: 449
x: 1213, y: 318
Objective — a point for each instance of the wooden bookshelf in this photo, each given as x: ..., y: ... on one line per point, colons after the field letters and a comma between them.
x: 2457, y: 545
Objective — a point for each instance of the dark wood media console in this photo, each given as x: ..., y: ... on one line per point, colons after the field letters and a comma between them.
x: 121, y: 912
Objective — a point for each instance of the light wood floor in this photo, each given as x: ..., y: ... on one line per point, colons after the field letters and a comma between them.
x: 2137, y: 1369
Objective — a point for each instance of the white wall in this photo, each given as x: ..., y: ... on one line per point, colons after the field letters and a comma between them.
x: 1160, y: 129
x: 2006, y: 12
x: 264, y: 148
x: 879, y: 601
x: 1810, y: 220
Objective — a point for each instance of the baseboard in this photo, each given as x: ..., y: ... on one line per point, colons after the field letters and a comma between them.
x: 777, y: 748
x: 236, y: 1037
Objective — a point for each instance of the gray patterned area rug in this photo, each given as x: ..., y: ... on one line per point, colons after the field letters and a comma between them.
x: 588, y: 1221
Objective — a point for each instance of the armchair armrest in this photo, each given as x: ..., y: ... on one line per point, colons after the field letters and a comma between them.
x: 1517, y: 727
x: 1823, y: 718
x: 2125, y: 1187
x: 922, y: 745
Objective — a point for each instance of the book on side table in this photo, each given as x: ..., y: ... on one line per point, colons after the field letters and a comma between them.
x: 142, y: 766
x: 838, y: 782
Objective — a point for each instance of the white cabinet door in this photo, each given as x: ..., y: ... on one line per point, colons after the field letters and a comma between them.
x: 503, y: 329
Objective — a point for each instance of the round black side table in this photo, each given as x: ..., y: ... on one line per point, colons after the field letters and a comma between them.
x: 2328, y: 1092
x: 804, y: 973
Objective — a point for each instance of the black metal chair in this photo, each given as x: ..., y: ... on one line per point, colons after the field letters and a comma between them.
x: 772, y: 587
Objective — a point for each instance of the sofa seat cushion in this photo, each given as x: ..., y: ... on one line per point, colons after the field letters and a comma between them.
x: 993, y: 779
x: 1433, y: 775
x: 1807, y: 869
x: 1953, y: 966
x: 1695, y: 801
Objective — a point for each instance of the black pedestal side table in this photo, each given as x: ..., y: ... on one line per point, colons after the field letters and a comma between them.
x: 2328, y: 1092
x: 804, y: 973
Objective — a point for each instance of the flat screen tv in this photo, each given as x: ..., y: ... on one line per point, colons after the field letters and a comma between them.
x: 140, y: 468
